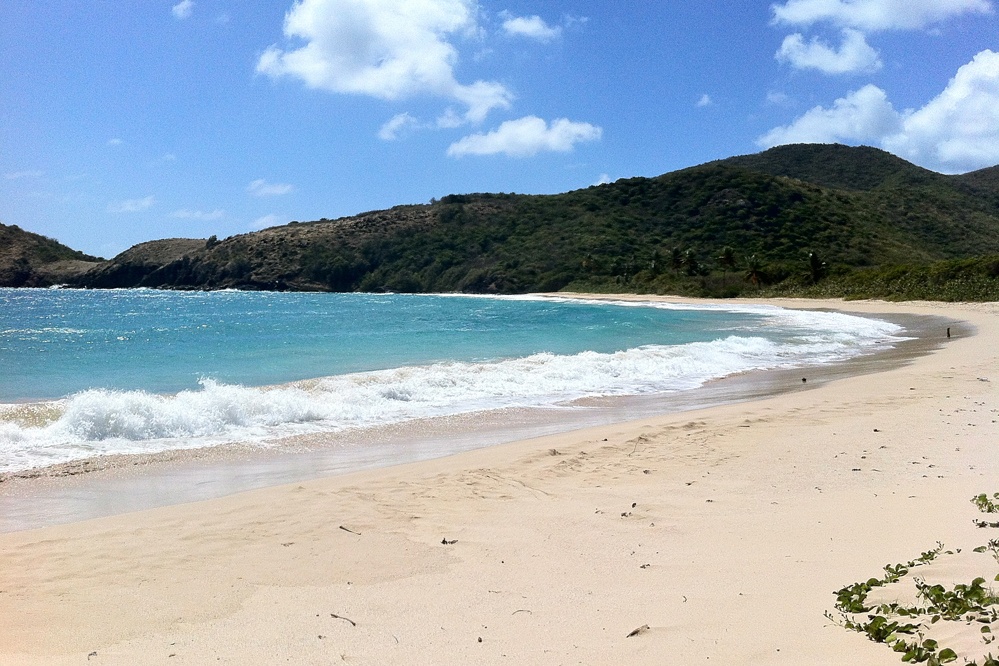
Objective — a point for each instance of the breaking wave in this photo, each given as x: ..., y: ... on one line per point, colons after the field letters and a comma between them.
x: 97, y: 422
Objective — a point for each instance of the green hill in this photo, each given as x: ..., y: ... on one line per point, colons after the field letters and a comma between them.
x: 785, y: 219
x: 837, y: 166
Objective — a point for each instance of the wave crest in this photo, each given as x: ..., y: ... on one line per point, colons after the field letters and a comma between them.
x: 97, y: 421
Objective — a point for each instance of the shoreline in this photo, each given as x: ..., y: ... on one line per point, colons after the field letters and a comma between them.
x: 120, y: 483
x: 722, y: 530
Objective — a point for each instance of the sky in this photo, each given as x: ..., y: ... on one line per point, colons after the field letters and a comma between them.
x: 123, y: 121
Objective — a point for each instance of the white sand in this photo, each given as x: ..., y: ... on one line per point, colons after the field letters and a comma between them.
x: 724, y: 530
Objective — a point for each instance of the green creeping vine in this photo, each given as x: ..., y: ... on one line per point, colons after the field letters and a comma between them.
x: 901, y: 627
x: 992, y: 546
x: 852, y: 598
x: 973, y: 603
x: 986, y: 505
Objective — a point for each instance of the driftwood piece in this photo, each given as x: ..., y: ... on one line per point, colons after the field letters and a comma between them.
x: 341, y: 617
x: 641, y: 630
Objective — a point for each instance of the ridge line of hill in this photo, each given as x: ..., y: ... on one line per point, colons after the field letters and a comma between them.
x: 788, y: 218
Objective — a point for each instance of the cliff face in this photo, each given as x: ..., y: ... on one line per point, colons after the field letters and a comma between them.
x: 689, y: 231
x: 138, y: 266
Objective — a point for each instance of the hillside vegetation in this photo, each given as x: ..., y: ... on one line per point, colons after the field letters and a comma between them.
x: 31, y: 260
x: 793, y: 219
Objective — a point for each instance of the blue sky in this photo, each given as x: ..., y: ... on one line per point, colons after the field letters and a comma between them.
x: 131, y: 120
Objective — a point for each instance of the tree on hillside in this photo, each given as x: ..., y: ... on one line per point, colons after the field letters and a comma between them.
x: 816, y: 267
x: 690, y: 262
x: 727, y: 262
x: 754, y: 270
x: 676, y: 260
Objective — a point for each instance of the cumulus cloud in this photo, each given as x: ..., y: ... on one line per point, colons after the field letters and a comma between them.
x: 132, y: 205
x: 705, y: 100
x: 956, y: 131
x: 532, y: 27
x: 959, y: 129
x: 874, y: 15
x: 526, y: 137
x: 399, y: 123
x: 854, y: 54
x: 201, y: 216
x: 863, y: 115
x: 183, y: 9
x: 603, y: 179
x: 482, y: 97
x: 261, y: 188
x: 387, y: 49
x: 857, y: 18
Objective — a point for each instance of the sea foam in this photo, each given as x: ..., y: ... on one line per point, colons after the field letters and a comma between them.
x: 97, y: 422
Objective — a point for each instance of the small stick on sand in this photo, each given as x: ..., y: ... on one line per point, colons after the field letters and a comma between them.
x: 341, y: 617
x: 641, y: 630
x: 351, y: 531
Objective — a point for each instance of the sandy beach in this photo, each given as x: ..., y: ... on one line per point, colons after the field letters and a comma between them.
x: 718, y: 534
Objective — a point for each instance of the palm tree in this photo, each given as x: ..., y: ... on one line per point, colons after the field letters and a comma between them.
x: 816, y: 267
x: 676, y: 260
x: 754, y: 269
x: 691, y: 263
x: 656, y: 263
x: 727, y: 261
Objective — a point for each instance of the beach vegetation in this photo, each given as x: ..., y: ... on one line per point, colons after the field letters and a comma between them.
x: 985, y: 503
x: 904, y: 627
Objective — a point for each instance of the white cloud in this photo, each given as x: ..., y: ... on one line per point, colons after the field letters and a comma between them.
x: 271, y: 220
x: 705, y: 100
x: 132, y: 205
x: 863, y: 115
x: 778, y: 98
x: 956, y: 131
x: 185, y: 214
x: 481, y: 98
x: 261, y: 188
x: 526, y: 137
x: 387, y: 49
x: 115, y: 141
x: 17, y: 175
x: 854, y: 55
x: 390, y: 131
x: 603, y: 179
x: 532, y: 27
x: 959, y: 129
x: 872, y: 15
x: 183, y: 9
x: 450, y: 119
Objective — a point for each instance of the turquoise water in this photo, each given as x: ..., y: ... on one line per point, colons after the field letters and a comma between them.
x: 131, y: 371
x: 57, y: 342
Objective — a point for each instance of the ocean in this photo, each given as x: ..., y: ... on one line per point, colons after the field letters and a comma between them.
x: 89, y: 373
